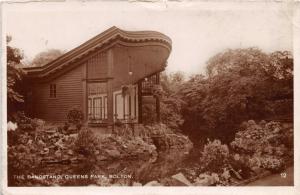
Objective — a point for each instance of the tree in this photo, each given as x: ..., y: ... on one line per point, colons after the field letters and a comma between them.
x: 241, y: 84
x: 14, y: 73
x: 171, y: 105
x: 44, y: 57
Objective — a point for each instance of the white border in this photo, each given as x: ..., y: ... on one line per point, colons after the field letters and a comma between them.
x: 158, y: 190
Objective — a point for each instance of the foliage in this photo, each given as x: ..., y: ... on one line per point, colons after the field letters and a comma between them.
x: 263, y: 139
x: 157, y: 91
x: 44, y: 57
x: 241, y: 84
x: 213, y: 179
x: 241, y: 165
x: 273, y: 164
x: 215, y: 156
x: 263, y: 144
x: 12, y: 137
x: 288, y: 139
x: 171, y: 105
x: 24, y: 122
x: 75, y: 116
x: 85, y: 142
x: 149, y: 114
x: 207, y: 179
x: 14, y: 75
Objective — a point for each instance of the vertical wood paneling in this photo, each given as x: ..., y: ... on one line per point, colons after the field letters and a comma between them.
x: 69, y: 94
x: 97, y: 66
x: 84, y: 92
x: 110, y: 98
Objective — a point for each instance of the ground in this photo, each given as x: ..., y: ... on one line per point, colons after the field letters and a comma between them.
x: 278, y: 179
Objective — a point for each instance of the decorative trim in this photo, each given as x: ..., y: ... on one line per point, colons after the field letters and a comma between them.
x: 112, y: 35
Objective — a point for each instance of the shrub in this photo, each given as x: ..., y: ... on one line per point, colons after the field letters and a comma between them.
x: 118, y: 123
x: 85, y: 143
x: 273, y: 164
x: 149, y: 114
x: 240, y: 164
x: 288, y: 139
x: 12, y: 137
x: 75, y: 116
x: 66, y: 126
x: 215, y: 156
x: 21, y: 118
x: 263, y: 139
x: 265, y: 145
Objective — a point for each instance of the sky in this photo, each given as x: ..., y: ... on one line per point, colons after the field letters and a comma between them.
x: 199, y: 30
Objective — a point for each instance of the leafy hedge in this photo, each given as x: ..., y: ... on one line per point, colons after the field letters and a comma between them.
x: 256, y: 147
x: 267, y: 145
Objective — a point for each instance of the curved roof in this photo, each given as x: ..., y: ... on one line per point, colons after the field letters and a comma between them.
x: 99, y: 41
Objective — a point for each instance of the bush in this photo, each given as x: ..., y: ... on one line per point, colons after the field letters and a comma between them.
x: 288, y: 139
x: 240, y: 164
x: 215, y: 156
x: 273, y: 164
x: 265, y: 145
x: 12, y: 137
x: 149, y: 114
x: 263, y: 139
x: 85, y: 143
x: 75, y: 117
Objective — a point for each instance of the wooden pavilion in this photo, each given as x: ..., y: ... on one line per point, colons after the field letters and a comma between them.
x: 108, y: 78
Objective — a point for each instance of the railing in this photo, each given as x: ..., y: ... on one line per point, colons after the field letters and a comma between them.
x: 148, y: 84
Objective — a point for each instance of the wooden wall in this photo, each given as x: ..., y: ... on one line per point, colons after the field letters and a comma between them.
x: 97, y: 66
x: 116, y: 62
x: 140, y: 60
x: 69, y: 93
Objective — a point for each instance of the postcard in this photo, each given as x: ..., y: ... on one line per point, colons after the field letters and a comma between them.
x: 149, y: 97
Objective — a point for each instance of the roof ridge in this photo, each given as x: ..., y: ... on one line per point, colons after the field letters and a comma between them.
x: 102, y: 38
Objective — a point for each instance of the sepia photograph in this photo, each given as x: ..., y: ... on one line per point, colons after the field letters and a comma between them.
x: 142, y: 94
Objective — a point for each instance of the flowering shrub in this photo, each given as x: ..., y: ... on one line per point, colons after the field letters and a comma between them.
x: 264, y: 144
x: 272, y: 164
x: 263, y: 139
x: 215, y: 156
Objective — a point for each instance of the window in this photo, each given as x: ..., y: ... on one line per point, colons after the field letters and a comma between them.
x: 52, y: 91
x: 119, y: 106
x: 97, y: 106
x: 125, y: 107
x: 90, y: 107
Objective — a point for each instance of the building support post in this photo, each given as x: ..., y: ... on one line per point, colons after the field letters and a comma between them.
x: 85, y: 93
x: 110, y: 96
x: 140, y: 103
x: 158, y: 118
